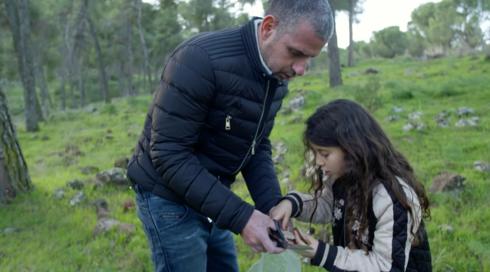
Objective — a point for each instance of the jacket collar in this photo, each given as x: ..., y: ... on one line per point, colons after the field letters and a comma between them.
x: 250, y: 37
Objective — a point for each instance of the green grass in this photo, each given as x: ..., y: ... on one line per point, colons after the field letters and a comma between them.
x: 54, y: 236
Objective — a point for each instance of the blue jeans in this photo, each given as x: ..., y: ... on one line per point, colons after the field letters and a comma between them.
x: 181, y: 239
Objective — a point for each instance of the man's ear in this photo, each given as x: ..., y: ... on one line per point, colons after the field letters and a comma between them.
x: 268, y: 26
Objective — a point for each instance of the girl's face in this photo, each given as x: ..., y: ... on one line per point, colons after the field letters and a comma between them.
x: 330, y: 160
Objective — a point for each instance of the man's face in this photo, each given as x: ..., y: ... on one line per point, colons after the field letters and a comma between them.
x: 288, y: 52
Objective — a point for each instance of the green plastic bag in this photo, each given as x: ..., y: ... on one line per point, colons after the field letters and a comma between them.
x: 288, y: 261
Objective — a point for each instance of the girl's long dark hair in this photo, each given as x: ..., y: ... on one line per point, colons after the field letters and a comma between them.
x: 370, y: 158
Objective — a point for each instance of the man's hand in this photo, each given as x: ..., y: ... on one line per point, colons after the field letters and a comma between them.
x: 282, y: 213
x: 256, y: 233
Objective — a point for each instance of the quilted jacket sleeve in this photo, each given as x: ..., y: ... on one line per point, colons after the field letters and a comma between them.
x: 261, y: 179
x: 306, y: 207
x: 180, y: 110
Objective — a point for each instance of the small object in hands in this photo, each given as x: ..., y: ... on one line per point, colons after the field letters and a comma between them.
x: 285, y: 239
x: 294, y: 245
x: 277, y: 235
x: 298, y: 248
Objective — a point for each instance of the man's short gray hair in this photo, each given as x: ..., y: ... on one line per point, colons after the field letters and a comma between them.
x: 318, y: 13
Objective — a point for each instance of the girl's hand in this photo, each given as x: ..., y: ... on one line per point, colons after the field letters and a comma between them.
x: 304, y: 239
x: 282, y: 212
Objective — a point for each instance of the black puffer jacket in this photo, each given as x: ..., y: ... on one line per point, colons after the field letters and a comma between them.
x: 209, y: 120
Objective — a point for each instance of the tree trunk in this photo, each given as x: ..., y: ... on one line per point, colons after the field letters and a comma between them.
x: 334, y: 73
x: 130, y: 62
x: 39, y: 110
x: 122, y: 75
x: 76, y: 58
x: 63, y: 90
x: 81, y: 85
x: 350, y: 60
x: 46, y: 102
x: 18, y: 17
x: 100, y: 60
x: 14, y: 177
x: 147, y: 69
x: 64, y: 71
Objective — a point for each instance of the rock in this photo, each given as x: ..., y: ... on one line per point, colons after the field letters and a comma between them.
x: 396, y: 109
x: 371, y: 71
x: 482, y: 166
x: 442, y: 119
x: 105, y: 223
x: 392, y: 118
x: 59, y: 193
x: 446, y: 182
x: 77, y: 199
x: 415, y: 115
x: 280, y: 150
x: 126, y: 228
x: 71, y: 154
x: 101, y: 208
x: 446, y: 228
x: 122, y: 163
x: 88, y: 170
x: 286, y: 111
x: 411, y: 125
x: 297, y: 103
x: 414, y: 122
x: 10, y: 230
x: 465, y: 111
x: 114, y: 176
x: 75, y: 184
x: 408, y: 127
x: 73, y: 150
x: 469, y: 122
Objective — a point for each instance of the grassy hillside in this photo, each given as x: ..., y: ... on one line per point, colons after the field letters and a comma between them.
x: 39, y: 232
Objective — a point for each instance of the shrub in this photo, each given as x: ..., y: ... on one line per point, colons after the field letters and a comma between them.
x: 400, y: 90
x: 367, y: 94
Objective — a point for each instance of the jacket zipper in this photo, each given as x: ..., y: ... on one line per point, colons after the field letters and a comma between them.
x: 251, y: 149
x: 228, y: 122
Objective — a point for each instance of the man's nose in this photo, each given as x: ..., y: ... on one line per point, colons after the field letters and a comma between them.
x: 300, y: 67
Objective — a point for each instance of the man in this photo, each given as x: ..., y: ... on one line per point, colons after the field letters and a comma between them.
x: 210, y: 120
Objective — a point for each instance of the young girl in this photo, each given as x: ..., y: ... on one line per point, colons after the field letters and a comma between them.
x: 366, y: 189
